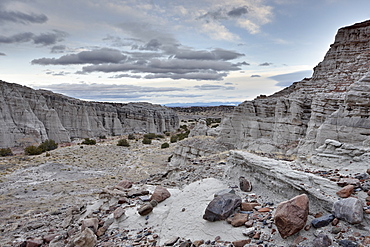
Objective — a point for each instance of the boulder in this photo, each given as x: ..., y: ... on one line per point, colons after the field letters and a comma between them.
x: 245, y: 185
x: 91, y: 223
x: 239, y: 219
x: 222, y: 207
x: 349, y: 209
x: 125, y: 184
x: 86, y: 239
x: 322, y: 221
x: 346, y: 191
x: 291, y: 216
x: 145, y: 209
x: 160, y: 194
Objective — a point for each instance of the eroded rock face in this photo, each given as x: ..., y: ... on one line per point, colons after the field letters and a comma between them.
x: 331, y: 105
x: 30, y: 116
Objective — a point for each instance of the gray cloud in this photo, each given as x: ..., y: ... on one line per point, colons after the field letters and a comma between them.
x: 125, y: 75
x: 110, y: 92
x: 103, y: 55
x: 285, y: 80
x: 213, y: 87
x: 255, y: 76
x: 19, y: 17
x: 58, y: 49
x: 2, y: 54
x: 41, y: 39
x: 265, y: 64
x: 217, y: 54
x: 237, y: 12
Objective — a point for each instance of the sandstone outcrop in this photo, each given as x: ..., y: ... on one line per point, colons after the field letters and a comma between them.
x: 30, y: 116
x: 333, y: 104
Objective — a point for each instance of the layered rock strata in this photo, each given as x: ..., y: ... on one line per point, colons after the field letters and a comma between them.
x: 30, y: 116
x: 333, y: 104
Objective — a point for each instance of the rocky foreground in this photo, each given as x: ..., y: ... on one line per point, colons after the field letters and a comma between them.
x: 106, y: 195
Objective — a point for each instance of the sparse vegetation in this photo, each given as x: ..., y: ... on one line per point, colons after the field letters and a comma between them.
x: 123, y: 143
x: 150, y: 136
x: 88, y: 141
x: 32, y: 150
x: 131, y: 137
x: 165, y: 145
x: 5, y: 152
x: 48, y: 145
x: 173, y: 139
x: 147, y: 141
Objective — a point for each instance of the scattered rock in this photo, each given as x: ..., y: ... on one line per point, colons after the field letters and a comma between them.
x: 160, y: 194
x: 86, y: 239
x: 347, y: 243
x: 198, y: 243
x: 322, y: 221
x: 291, y: 216
x: 346, y: 181
x: 171, y: 242
x: 222, y: 207
x: 125, y: 184
x: 248, y: 206
x: 118, y: 212
x: 241, y: 243
x: 33, y: 243
x: 346, y: 191
x: 145, y: 209
x: 239, y: 220
x: 245, y: 185
x: 91, y: 223
x: 349, y: 209
x: 322, y: 240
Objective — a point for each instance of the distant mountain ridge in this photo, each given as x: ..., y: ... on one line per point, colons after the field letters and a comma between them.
x: 29, y: 116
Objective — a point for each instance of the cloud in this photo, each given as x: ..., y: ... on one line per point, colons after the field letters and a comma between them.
x: 125, y: 75
x: 238, y: 11
x: 61, y: 73
x: 2, y: 54
x: 213, y: 87
x: 104, y: 55
x: 58, y: 49
x: 255, y: 76
x: 109, y: 92
x: 41, y: 39
x: 285, y: 80
x: 216, y: 54
x: 265, y: 64
x: 20, y: 17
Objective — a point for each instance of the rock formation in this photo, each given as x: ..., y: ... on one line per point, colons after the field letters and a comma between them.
x: 30, y: 116
x: 333, y: 104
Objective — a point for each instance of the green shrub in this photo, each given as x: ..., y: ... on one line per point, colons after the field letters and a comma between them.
x: 150, y: 136
x: 160, y: 136
x: 173, y: 139
x: 147, y: 141
x: 102, y: 137
x: 131, y: 137
x: 6, y: 152
x: 165, y: 145
x: 88, y: 141
x: 33, y: 150
x: 48, y: 145
x: 167, y: 133
x: 123, y: 143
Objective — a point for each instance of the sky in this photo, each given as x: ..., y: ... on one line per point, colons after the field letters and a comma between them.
x: 169, y: 52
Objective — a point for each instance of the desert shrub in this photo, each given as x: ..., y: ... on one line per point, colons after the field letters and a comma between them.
x: 167, y: 133
x: 88, y: 141
x: 48, y: 145
x: 33, y: 150
x: 165, y: 145
x: 160, y: 136
x: 102, y: 137
x: 173, y: 139
x: 131, y: 137
x: 6, y: 152
x: 123, y: 143
x: 150, y: 136
x: 147, y: 141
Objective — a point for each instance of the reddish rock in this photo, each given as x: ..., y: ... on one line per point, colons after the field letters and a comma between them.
x: 125, y: 184
x: 91, y: 223
x: 335, y: 222
x: 346, y: 181
x: 346, y: 191
x: 122, y: 200
x: 198, y: 243
x: 241, y: 243
x: 34, y: 242
x: 101, y: 231
x: 86, y: 239
x: 264, y: 210
x: 49, y: 238
x: 291, y: 216
x: 248, y: 206
x: 245, y: 185
x: 249, y: 223
x: 367, y: 199
x: 239, y: 220
x: 145, y: 209
x: 160, y: 194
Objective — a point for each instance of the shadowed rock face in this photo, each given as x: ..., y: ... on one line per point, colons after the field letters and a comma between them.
x: 333, y: 104
x: 31, y: 116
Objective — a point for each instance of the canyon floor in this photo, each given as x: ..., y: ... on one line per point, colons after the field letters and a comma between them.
x: 47, y: 196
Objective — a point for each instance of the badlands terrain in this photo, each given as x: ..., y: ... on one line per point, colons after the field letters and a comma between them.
x: 290, y: 169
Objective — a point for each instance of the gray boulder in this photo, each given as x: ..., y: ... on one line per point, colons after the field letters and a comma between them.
x: 349, y: 209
